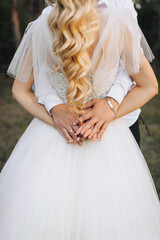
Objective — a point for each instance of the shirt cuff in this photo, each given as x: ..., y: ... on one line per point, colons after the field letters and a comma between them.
x: 117, y: 93
x: 50, y: 101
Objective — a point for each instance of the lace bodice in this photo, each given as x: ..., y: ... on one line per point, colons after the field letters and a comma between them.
x: 60, y: 84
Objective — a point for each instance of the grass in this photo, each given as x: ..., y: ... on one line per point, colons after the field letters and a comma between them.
x: 151, y: 145
x: 14, y: 120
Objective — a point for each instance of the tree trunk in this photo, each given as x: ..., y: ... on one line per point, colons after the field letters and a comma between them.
x: 16, y: 25
x: 34, y: 8
x: 31, y: 10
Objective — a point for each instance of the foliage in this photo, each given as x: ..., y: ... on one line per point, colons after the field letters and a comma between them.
x: 6, y: 39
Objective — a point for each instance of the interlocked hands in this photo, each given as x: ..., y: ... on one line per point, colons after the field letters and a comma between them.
x: 91, y: 125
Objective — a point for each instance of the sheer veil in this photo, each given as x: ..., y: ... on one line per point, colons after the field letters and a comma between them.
x: 120, y: 43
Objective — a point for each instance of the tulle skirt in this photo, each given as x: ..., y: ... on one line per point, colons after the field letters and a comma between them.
x: 51, y: 190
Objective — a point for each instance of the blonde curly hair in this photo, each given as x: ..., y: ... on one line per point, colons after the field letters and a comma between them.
x: 74, y: 24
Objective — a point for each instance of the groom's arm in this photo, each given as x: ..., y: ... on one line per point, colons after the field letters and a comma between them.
x: 122, y: 85
x: 51, y: 100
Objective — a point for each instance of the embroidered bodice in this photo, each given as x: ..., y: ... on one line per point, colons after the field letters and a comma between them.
x: 60, y: 84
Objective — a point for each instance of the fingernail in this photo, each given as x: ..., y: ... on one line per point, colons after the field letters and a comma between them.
x: 74, y: 124
x: 78, y: 139
x: 89, y: 136
x: 82, y: 132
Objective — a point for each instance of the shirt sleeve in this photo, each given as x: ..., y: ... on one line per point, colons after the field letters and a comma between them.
x: 122, y: 85
x: 50, y: 101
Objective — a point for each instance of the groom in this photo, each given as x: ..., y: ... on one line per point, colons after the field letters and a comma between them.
x: 122, y: 85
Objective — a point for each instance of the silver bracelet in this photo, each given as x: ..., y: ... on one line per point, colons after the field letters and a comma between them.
x: 111, y: 106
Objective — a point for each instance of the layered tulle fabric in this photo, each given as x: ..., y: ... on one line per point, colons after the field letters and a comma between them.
x: 119, y: 40
x: 52, y: 190
x: 120, y: 4
x: 35, y: 53
x: 121, y: 45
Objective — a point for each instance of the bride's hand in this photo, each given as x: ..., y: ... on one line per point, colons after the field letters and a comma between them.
x: 63, y: 119
x: 97, y: 119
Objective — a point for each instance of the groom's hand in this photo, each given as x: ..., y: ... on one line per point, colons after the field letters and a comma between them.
x: 97, y: 119
x: 63, y: 119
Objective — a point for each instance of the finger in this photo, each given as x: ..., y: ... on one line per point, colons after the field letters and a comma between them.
x: 83, y: 139
x: 96, y: 128
x: 80, y: 128
x: 80, y: 122
x: 75, y: 128
x: 87, y: 110
x: 88, y: 125
x: 67, y: 136
x: 76, y: 122
x: 87, y: 133
x: 91, y: 130
x: 80, y: 143
x: 71, y: 132
x: 94, y: 137
x: 89, y: 104
x: 104, y: 127
x: 87, y: 116
x: 74, y: 136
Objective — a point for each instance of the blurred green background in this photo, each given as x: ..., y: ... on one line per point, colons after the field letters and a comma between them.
x: 15, y: 14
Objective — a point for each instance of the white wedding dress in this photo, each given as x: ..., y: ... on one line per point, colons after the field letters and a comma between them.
x: 51, y: 190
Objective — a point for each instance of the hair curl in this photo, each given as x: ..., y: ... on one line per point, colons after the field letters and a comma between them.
x: 74, y: 24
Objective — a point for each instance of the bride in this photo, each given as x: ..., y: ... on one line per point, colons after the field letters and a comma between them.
x: 102, y: 190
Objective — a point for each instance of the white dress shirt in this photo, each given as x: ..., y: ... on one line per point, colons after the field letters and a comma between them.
x: 122, y: 85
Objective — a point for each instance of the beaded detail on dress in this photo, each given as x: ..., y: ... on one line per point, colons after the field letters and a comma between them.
x: 60, y: 84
